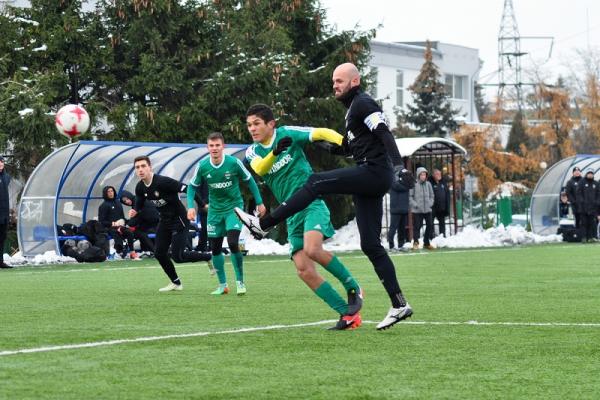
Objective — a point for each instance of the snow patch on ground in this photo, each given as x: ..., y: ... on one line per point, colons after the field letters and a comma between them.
x: 49, y: 257
x: 472, y: 236
x: 347, y: 239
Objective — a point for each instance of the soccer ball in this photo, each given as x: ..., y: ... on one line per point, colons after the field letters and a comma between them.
x: 72, y: 120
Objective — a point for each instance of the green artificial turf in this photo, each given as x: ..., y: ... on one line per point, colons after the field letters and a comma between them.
x: 442, y: 357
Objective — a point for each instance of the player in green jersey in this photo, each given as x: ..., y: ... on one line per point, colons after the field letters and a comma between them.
x: 223, y: 173
x: 277, y: 156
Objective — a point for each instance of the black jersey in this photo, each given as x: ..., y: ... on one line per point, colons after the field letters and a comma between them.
x: 163, y: 192
x: 366, y: 127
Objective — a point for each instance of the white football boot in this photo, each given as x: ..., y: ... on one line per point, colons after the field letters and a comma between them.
x: 252, y: 223
x: 394, y: 316
x: 171, y: 287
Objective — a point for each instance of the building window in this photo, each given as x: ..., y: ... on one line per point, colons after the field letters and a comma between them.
x: 448, y: 85
x: 375, y: 77
x: 399, y: 88
x: 455, y: 86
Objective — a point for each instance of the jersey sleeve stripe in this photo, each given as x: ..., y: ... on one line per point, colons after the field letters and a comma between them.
x: 194, y: 182
x: 247, y: 175
x: 250, y: 153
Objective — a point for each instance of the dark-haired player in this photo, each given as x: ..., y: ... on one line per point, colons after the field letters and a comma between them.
x: 277, y: 156
x: 173, y: 227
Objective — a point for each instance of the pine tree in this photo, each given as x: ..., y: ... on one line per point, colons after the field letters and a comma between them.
x: 42, y: 69
x: 172, y: 71
x: 517, y: 138
x: 481, y: 105
x: 431, y: 114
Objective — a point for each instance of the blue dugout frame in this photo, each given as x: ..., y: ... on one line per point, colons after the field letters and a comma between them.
x: 74, y: 160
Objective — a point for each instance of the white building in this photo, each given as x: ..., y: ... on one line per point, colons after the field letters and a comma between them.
x: 397, y: 65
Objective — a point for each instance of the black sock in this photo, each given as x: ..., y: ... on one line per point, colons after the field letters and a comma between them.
x: 177, y: 281
x: 385, y: 270
x: 267, y: 221
x: 400, y: 300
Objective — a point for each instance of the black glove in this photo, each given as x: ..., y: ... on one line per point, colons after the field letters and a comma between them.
x: 282, y: 145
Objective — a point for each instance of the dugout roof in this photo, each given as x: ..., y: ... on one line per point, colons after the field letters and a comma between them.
x: 66, y: 187
x: 546, y: 195
x: 430, y: 146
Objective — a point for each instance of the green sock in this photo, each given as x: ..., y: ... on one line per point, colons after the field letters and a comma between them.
x: 337, y: 269
x: 219, y: 264
x: 330, y: 296
x: 237, y: 259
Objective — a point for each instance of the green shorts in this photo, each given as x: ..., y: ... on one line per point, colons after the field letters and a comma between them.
x: 218, y: 223
x: 315, y: 217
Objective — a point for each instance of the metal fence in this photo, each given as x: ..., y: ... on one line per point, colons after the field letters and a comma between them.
x: 485, y: 214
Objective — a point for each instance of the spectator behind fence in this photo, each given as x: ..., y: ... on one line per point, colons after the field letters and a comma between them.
x: 571, y: 190
x: 110, y: 215
x: 399, y: 206
x: 441, y: 201
x: 565, y: 211
x: 143, y: 223
x: 588, y: 201
x: 421, y: 201
x: 4, y: 210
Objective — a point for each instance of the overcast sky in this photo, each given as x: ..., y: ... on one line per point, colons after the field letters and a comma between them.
x: 475, y: 23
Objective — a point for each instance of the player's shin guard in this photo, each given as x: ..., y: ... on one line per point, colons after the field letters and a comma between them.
x: 237, y: 259
x: 219, y: 264
x: 339, y: 270
x: 330, y: 296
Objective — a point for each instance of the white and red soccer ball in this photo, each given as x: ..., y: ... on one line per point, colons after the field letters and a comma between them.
x: 72, y: 120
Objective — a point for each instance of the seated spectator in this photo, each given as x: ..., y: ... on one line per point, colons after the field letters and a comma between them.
x: 565, y: 211
x: 143, y: 223
x: 111, y: 216
x: 421, y: 201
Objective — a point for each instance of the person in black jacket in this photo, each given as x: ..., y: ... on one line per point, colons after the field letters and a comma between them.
x: 173, y: 226
x: 399, y: 207
x: 571, y: 189
x: 441, y: 201
x: 373, y: 148
x: 588, y: 201
x: 564, y: 207
x: 143, y: 223
x: 4, y: 210
x: 111, y: 216
x: 201, y: 199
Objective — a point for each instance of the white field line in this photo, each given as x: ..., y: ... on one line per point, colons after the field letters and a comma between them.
x: 278, y: 260
x: 278, y: 327
x: 157, y: 338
